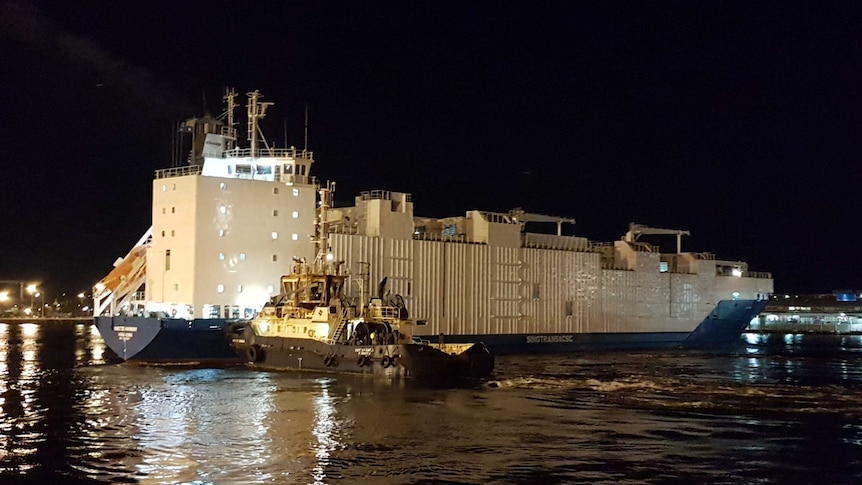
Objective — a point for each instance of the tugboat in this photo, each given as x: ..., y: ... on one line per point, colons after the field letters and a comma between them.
x: 312, y: 325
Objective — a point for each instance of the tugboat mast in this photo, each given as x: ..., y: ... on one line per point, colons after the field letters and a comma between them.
x: 321, y: 229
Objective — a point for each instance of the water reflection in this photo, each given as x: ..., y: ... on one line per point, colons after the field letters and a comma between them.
x: 615, y: 417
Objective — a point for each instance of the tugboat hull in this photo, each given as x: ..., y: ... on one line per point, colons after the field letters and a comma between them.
x: 418, y: 361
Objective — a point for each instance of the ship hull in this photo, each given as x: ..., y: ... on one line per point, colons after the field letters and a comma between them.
x: 416, y: 361
x: 720, y: 329
x: 155, y: 340
x: 168, y: 341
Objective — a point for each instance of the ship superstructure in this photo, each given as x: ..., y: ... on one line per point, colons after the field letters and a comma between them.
x: 224, y: 228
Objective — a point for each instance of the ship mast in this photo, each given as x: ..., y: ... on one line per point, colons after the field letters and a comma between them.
x: 229, y: 98
x: 256, y: 111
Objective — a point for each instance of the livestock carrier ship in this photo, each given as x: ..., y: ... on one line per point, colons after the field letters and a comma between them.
x: 227, y: 226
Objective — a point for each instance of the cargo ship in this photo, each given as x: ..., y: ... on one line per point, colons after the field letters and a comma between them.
x: 231, y: 221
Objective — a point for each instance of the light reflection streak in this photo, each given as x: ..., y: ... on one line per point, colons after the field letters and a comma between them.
x: 324, y: 427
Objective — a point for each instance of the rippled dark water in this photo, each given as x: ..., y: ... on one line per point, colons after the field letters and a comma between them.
x: 778, y: 409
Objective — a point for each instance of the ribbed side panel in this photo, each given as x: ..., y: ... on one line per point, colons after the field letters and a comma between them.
x: 505, y: 289
x: 485, y: 290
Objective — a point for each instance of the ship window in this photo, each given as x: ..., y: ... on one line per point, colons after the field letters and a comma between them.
x: 222, y: 186
x: 227, y: 311
x: 570, y: 308
x: 163, y: 233
x: 220, y: 289
x: 167, y: 260
x: 450, y: 229
x: 173, y: 233
x: 535, y: 291
x: 243, y: 169
x: 274, y: 257
x: 296, y: 192
x: 221, y: 232
x: 229, y: 172
x: 221, y: 256
x: 264, y: 169
x: 173, y: 210
x: 176, y: 287
x: 662, y: 266
x: 288, y: 169
x: 242, y: 256
x: 275, y: 212
x: 173, y: 186
x: 164, y: 211
x: 269, y: 289
x: 274, y: 235
x: 164, y: 188
x: 239, y: 288
x: 275, y: 191
x: 294, y: 236
x: 735, y: 295
x: 295, y: 214
x: 222, y: 209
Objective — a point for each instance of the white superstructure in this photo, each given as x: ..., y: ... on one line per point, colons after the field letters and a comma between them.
x: 224, y: 229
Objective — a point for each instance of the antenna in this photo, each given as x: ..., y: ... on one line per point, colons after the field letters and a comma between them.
x: 305, y: 141
x: 285, y: 133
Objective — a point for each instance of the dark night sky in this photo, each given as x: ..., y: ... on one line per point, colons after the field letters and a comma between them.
x: 739, y: 123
